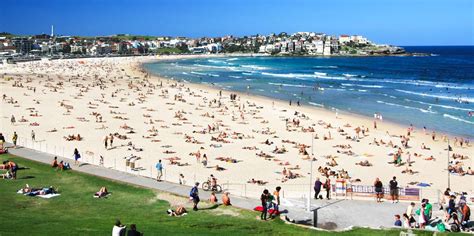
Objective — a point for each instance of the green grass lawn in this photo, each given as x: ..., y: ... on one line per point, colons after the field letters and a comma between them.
x: 76, y: 212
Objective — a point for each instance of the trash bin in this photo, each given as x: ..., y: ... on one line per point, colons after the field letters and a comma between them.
x: 132, y: 165
x: 127, y: 162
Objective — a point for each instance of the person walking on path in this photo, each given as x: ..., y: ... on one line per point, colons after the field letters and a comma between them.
x: 14, y: 138
x: 378, y: 189
x: 159, y: 169
x: 194, y: 195
x: 394, y: 189
x: 264, y: 198
x: 327, y: 186
x: 411, y: 212
x: 77, y: 156
x: 317, y: 188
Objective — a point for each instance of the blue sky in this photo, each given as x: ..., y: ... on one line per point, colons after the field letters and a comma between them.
x: 400, y: 22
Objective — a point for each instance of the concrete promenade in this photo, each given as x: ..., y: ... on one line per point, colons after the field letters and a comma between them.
x: 332, y: 214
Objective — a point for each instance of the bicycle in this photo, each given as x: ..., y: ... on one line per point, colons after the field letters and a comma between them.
x: 206, y: 186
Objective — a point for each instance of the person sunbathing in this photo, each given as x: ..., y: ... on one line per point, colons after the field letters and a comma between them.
x: 101, y: 193
x: 332, y: 163
x: 297, y: 167
x: 180, y: 211
x: 259, y: 182
x: 431, y: 158
x: 423, y: 146
x: 364, y: 163
x: 469, y: 171
x: 29, y: 191
x: 218, y: 168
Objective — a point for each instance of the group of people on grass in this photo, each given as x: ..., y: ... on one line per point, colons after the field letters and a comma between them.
x: 61, y: 165
x: 11, y: 168
x: 270, y: 203
x: 457, y: 215
x: 121, y: 230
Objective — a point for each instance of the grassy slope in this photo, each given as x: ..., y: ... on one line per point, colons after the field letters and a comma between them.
x: 77, y: 212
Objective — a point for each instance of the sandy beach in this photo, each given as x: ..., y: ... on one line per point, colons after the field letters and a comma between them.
x: 249, y: 137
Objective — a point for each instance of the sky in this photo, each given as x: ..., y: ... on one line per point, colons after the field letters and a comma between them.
x: 398, y: 22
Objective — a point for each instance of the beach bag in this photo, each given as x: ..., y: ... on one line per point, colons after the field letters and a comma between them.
x: 441, y: 227
x: 454, y: 227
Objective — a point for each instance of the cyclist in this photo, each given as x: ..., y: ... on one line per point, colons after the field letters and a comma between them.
x: 213, y: 183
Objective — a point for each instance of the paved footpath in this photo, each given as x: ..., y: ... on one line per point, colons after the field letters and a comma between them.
x: 333, y: 214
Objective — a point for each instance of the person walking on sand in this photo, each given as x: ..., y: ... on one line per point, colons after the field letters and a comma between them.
x: 14, y: 138
x: 77, y: 156
x: 13, y: 120
x: 111, y: 138
x: 33, y: 136
x: 394, y: 189
x: 194, y: 195
x: 106, y: 142
x: 159, y: 169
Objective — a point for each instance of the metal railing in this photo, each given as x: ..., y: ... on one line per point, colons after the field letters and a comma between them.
x: 247, y: 190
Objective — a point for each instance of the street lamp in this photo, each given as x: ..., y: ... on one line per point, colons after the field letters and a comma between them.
x: 308, y: 207
x: 449, y: 174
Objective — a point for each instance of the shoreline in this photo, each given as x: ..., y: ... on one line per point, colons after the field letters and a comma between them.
x: 450, y: 136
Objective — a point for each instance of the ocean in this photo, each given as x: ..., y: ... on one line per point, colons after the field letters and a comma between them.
x: 435, y: 91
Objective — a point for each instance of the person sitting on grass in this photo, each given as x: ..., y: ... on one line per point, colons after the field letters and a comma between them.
x: 11, y: 166
x: 213, y: 198
x: 102, y: 193
x: 7, y: 175
x: 133, y: 231
x: 226, y: 199
x: 63, y: 166
x: 55, y: 162
x: 118, y: 229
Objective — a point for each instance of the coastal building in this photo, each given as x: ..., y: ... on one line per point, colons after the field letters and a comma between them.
x: 359, y: 39
x: 344, y: 38
x: 327, y: 48
x: 23, y: 45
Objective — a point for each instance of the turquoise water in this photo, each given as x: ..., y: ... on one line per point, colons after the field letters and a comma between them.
x: 436, y: 92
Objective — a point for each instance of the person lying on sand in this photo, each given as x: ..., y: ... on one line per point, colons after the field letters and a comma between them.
x: 364, y: 163
x: 408, y: 171
x: 259, y: 182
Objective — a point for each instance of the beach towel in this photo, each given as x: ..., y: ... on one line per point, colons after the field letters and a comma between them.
x: 47, y: 196
x: 423, y: 185
x: 271, y: 211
